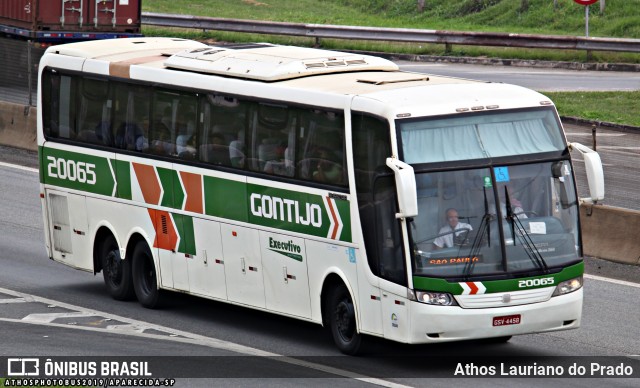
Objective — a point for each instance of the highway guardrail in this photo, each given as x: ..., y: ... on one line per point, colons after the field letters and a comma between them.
x: 319, y: 31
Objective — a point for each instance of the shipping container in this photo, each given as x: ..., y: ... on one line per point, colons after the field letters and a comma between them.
x: 50, y: 20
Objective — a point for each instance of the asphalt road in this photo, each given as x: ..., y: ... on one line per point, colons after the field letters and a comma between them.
x: 620, y: 155
x: 57, y: 311
x: 534, y: 78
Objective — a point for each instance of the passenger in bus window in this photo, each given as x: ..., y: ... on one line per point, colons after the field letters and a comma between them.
x: 129, y: 136
x: 185, y: 139
x: 454, y: 233
x: 516, y: 205
x: 215, y: 150
x: 161, y: 143
x: 236, y: 151
x: 328, y: 169
x: 186, y: 149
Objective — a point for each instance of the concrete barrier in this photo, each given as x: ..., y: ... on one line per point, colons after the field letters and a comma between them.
x: 611, y: 233
x: 18, y: 126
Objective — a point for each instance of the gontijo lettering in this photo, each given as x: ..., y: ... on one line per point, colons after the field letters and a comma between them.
x: 286, y: 210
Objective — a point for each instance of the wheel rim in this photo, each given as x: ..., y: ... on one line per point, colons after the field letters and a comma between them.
x: 345, y: 320
x: 113, y: 267
x: 148, y: 275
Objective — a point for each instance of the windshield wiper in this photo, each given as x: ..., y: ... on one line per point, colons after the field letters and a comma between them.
x: 530, y: 247
x: 484, y: 227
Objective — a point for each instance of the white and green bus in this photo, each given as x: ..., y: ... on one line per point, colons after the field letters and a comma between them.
x: 314, y: 184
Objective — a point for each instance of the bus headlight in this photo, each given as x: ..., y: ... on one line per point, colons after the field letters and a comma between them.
x: 435, y: 298
x: 568, y: 286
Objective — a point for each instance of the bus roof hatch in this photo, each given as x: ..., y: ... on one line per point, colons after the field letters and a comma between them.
x: 273, y: 62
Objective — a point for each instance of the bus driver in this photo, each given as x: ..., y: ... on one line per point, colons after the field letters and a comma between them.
x: 453, y: 227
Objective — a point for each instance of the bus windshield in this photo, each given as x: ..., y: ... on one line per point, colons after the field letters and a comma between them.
x: 493, y: 221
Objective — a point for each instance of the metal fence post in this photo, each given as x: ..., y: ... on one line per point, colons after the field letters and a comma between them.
x: 29, y: 72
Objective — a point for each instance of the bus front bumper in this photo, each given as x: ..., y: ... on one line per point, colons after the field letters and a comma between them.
x: 431, y: 324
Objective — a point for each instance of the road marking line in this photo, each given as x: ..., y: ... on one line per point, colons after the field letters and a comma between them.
x: 18, y: 167
x: 181, y: 336
x: 13, y: 300
x: 615, y: 281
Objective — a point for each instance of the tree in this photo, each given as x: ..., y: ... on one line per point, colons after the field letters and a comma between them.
x: 421, y: 6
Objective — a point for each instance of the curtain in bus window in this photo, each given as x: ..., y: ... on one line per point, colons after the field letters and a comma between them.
x: 474, y: 136
x: 437, y: 144
x: 63, y: 109
x: 518, y: 137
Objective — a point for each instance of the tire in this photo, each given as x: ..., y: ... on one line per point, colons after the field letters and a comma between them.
x: 342, y: 321
x: 145, y: 279
x: 115, y: 271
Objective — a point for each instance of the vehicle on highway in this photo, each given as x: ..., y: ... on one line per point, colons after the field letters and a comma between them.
x: 324, y: 186
x: 59, y: 21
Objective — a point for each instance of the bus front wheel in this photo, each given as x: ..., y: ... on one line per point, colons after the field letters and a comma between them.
x: 116, y: 271
x: 145, y: 280
x: 342, y: 321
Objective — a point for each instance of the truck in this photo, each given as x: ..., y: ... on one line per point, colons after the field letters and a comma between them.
x: 58, y: 21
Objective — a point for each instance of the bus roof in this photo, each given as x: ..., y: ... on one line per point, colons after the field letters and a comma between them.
x: 292, y: 68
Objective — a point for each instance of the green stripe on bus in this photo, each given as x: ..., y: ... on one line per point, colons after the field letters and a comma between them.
x: 225, y: 198
x: 77, y: 171
x: 171, y: 197
x: 289, y: 210
x: 345, y: 214
x: 123, y: 177
x: 493, y: 286
x: 41, y: 163
x: 184, y: 225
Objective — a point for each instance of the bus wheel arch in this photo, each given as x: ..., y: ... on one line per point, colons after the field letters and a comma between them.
x: 339, y: 315
x: 116, y: 271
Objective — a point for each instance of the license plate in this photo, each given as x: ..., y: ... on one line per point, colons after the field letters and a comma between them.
x: 507, y: 320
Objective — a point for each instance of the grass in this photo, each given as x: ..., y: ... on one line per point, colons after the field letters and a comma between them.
x: 620, y: 19
x: 615, y: 107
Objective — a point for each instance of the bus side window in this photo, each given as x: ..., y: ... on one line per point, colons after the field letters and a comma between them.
x: 377, y: 198
x: 321, y: 154
x: 215, y: 150
x: 94, y: 119
x: 131, y: 115
x: 59, y: 102
x: 271, y: 139
x: 237, y: 150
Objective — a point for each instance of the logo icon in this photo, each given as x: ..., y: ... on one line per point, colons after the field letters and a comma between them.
x: 23, y: 367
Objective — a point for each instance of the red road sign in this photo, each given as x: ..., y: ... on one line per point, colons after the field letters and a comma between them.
x: 585, y: 2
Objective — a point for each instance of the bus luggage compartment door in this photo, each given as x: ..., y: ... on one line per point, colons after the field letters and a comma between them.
x: 243, y: 265
x: 69, y: 230
x: 285, y: 274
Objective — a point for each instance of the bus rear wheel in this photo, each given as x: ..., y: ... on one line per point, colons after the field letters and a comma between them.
x: 342, y: 321
x: 116, y: 271
x: 145, y: 280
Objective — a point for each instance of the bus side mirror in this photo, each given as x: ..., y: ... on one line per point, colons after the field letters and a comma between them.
x: 593, y: 168
x: 406, y: 188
